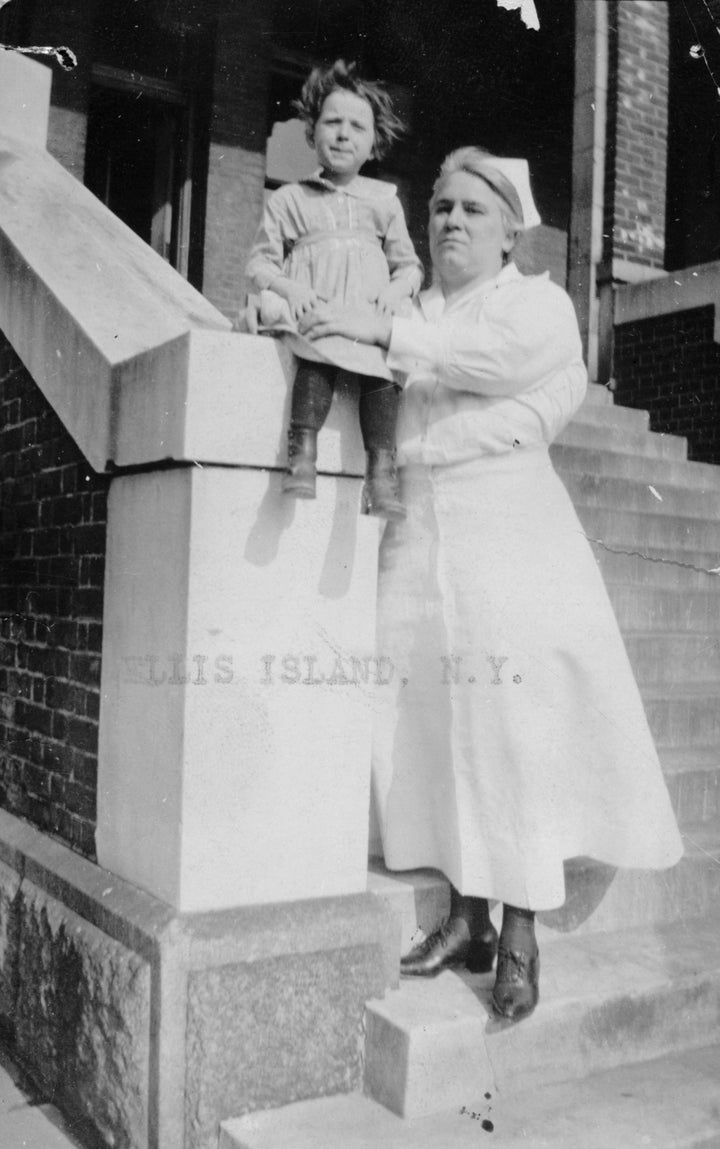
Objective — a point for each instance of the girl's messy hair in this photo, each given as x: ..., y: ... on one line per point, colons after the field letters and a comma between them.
x: 322, y: 81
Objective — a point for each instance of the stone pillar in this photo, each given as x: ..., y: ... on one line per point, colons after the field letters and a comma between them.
x: 589, y: 133
x: 24, y: 97
x: 238, y: 655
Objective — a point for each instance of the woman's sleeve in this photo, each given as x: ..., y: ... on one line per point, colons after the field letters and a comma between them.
x: 522, y: 336
x: 267, y: 257
x: 399, y: 250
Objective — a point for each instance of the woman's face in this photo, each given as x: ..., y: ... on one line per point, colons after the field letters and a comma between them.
x: 468, y: 237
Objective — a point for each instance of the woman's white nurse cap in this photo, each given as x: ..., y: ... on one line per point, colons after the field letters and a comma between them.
x: 517, y: 173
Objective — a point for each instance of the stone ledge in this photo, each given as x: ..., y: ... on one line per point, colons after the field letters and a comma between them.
x: 674, y: 291
x: 119, y: 909
x: 139, y: 366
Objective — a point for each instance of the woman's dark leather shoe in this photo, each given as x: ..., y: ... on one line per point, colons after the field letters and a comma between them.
x: 449, y: 946
x: 516, y: 991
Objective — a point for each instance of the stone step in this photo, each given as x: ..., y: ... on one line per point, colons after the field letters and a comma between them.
x: 669, y: 1102
x: 683, y: 715
x: 420, y: 899
x: 678, y: 473
x: 612, y: 415
x: 598, y: 393
x: 660, y: 567
x: 606, y: 1000
x: 653, y: 609
x: 675, y: 657
x: 693, y: 780
x: 581, y: 432
x: 598, y: 897
x: 637, y: 530
x: 597, y: 490
x: 602, y: 899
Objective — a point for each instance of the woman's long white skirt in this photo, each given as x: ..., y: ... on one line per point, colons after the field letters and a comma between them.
x: 512, y: 735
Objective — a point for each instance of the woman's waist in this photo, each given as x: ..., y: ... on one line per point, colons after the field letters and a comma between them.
x: 534, y: 457
x: 463, y: 436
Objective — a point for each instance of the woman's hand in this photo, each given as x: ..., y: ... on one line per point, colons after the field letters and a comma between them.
x: 391, y: 298
x: 361, y: 327
x: 300, y: 299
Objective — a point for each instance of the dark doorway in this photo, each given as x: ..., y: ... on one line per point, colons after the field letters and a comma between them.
x: 693, y: 181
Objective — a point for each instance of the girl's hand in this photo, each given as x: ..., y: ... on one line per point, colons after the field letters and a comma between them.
x: 361, y: 327
x: 300, y: 298
x: 392, y: 297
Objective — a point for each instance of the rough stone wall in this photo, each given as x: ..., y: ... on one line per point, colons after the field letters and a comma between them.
x: 670, y: 365
x: 52, y: 543
x: 82, y: 1019
x: 637, y: 131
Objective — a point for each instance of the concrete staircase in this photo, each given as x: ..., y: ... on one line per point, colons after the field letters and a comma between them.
x: 630, y: 985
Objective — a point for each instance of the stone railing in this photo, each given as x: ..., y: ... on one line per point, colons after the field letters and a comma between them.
x: 238, y: 630
x: 677, y: 291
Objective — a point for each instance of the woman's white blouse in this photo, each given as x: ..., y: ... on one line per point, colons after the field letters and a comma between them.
x: 497, y: 367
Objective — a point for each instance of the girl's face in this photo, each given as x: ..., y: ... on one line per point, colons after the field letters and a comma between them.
x: 467, y: 231
x: 344, y: 135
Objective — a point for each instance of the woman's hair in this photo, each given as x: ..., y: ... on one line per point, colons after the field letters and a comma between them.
x: 343, y: 77
x: 478, y: 162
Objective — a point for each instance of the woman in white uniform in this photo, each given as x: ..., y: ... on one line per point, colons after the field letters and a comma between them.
x: 513, y: 735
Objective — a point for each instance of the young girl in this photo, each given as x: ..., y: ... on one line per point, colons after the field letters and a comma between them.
x: 338, y: 237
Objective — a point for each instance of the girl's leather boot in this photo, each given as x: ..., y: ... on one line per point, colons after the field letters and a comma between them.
x: 299, y: 479
x: 380, y: 496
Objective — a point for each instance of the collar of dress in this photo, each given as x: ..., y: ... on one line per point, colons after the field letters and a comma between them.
x: 433, y: 303
x: 362, y: 187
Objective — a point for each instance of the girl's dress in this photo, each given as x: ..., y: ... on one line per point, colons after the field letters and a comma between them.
x: 345, y: 242
x: 512, y: 735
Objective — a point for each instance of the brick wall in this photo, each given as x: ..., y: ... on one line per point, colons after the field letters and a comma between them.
x: 670, y: 365
x: 52, y: 543
x: 236, y: 162
x: 637, y: 122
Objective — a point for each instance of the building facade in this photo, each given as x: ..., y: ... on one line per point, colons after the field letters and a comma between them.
x: 133, y: 482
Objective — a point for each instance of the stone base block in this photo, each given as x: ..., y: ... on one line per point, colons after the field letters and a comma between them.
x: 147, y: 1027
x: 262, y: 1033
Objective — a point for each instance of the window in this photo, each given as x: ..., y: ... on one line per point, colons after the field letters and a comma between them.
x: 138, y: 157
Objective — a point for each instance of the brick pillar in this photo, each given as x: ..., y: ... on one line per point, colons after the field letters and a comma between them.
x: 70, y: 24
x: 637, y: 139
x: 236, y: 161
